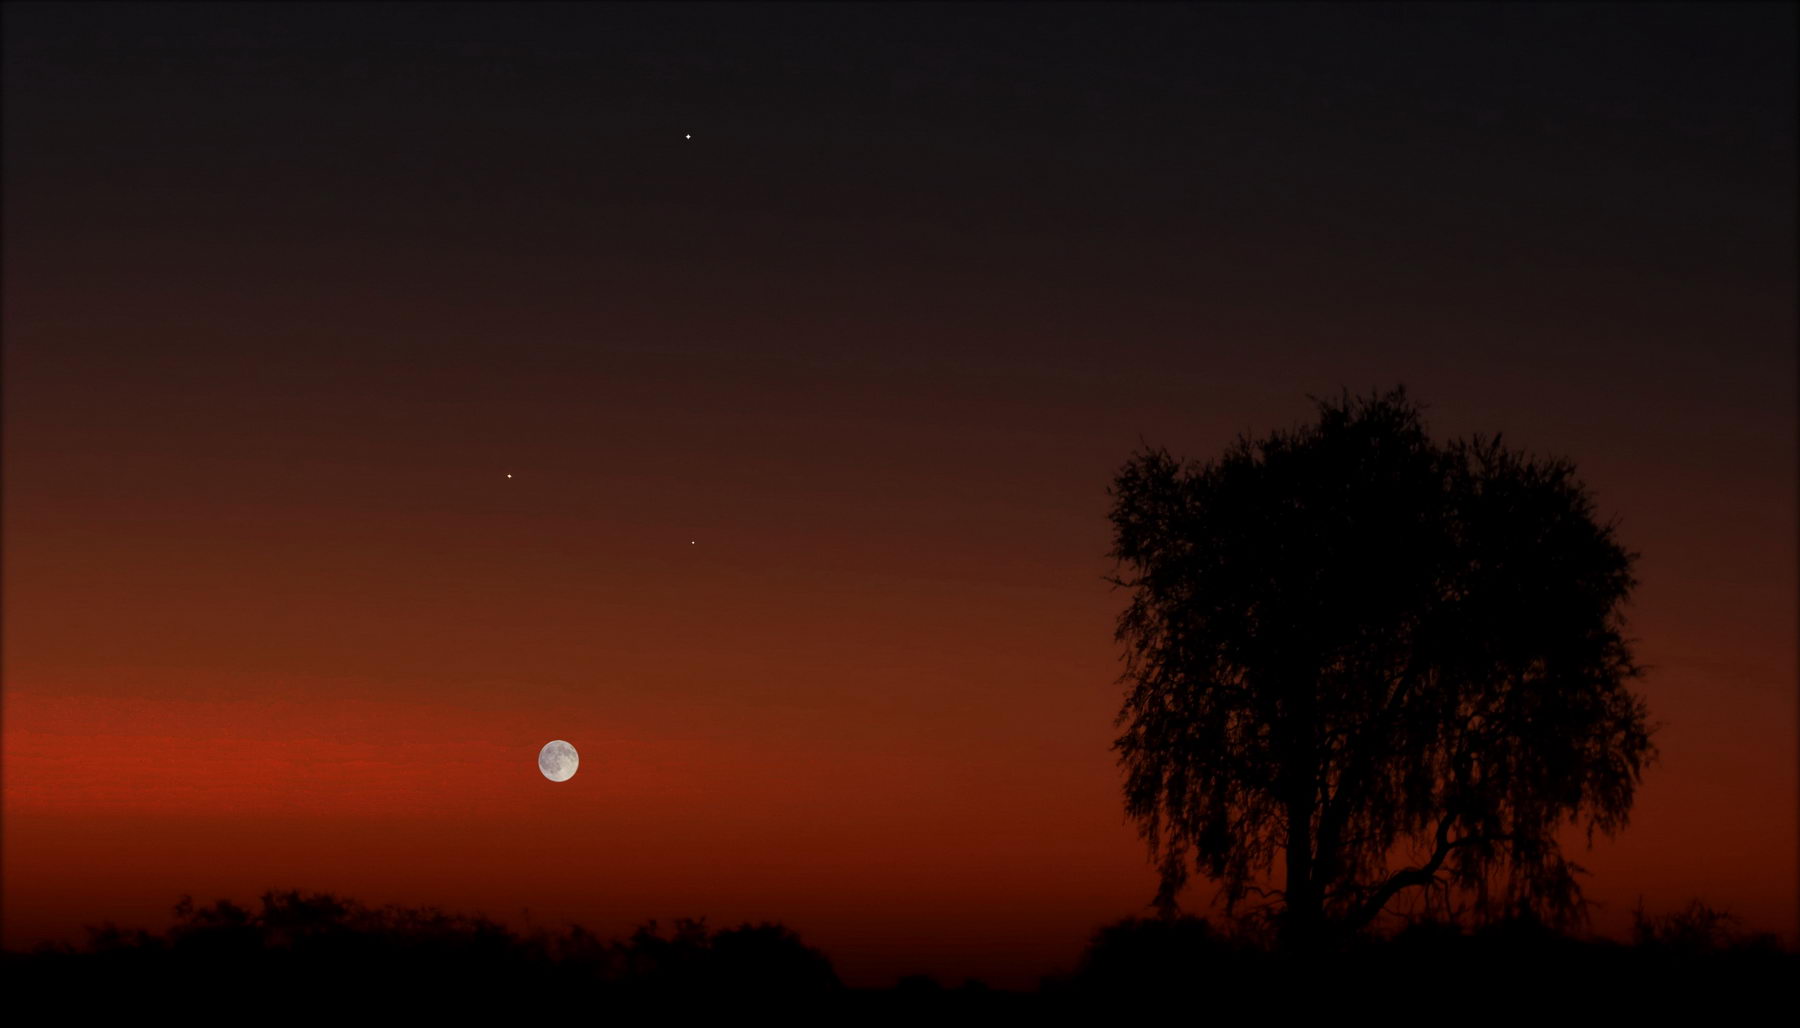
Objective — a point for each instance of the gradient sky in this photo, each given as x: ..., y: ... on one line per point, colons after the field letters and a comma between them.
x: 810, y: 420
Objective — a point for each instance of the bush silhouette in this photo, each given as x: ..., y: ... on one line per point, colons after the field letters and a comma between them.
x: 307, y: 957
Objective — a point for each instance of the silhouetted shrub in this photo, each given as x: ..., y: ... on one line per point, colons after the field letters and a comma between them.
x: 311, y: 956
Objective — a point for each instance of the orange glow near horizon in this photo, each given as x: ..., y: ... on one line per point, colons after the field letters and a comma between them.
x: 955, y: 810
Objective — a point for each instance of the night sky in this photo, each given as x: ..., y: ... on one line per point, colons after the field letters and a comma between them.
x: 810, y: 420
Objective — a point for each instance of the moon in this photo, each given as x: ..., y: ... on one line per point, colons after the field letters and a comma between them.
x: 558, y: 760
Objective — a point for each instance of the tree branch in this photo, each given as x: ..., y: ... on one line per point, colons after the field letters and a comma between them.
x: 1424, y: 874
x: 1359, y: 757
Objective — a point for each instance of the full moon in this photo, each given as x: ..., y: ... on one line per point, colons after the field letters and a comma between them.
x: 558, y: 760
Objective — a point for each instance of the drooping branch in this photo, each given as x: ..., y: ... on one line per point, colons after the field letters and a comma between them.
x: 1424, y: 874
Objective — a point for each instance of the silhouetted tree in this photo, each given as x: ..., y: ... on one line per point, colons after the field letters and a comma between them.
x: 1386, y: 663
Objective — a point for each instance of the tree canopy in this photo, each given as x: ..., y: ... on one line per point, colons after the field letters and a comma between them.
x: 1388, y: 665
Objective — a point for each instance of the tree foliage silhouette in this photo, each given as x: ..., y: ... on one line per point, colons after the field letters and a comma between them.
x: 1387, y: 663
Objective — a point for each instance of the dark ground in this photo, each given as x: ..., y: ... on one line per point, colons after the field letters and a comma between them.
x: 299, y: 957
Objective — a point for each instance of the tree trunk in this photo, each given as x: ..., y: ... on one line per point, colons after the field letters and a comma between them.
x: 1303, y: 911
x: 1304, y: 907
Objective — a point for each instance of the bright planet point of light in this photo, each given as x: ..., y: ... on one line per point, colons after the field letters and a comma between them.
x: 558, y: 760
